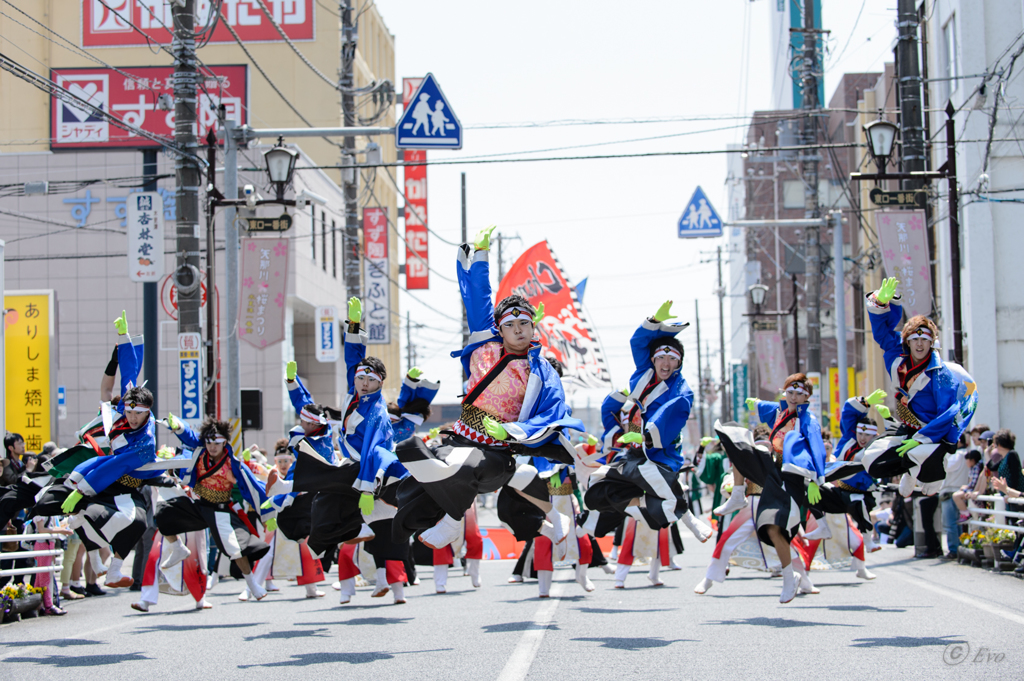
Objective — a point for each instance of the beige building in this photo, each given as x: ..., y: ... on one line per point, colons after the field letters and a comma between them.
x: 73, y: 238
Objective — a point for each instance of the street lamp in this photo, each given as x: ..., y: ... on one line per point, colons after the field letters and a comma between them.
x: 280, y: 166
x: 881, y: 136
x: 757, y: 294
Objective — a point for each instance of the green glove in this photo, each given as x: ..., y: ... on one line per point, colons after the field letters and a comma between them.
x: 172, y: 422
x: 751, y: 403
x: 355, y: 310
x: 483, y: 238
x: 494, y: 429
x: 246, y: 454
x: 813, y: 493
x: 625, y: 391
x: 415, y: 373
x: 269, y: 503
x: 434, y: 432
x: 69, y: 504
x: 165, y: 452
x: 591, y: 440
x: 886, y: 291
x: 663, y: 312
x: 631, y: 439
x: 271, y: 524
x: 121, y: 324
x: 539, y: 315
x: 366, y: 503
x: 705, y: 441
x: 906, y: 446
x: 876, y: 397
x: 291, y: 370
x: 883, y: 411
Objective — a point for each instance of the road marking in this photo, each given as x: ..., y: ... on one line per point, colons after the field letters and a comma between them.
x: 519, y: 661
x: 968, y: 600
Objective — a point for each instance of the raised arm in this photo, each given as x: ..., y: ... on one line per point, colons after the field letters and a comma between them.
x: 474, y: 275
x: 885, y: 316
x: 651, y: 329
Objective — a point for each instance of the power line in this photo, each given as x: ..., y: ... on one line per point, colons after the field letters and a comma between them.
x: 408, y: 246
x: 429, y: 307
x: 412, y: 209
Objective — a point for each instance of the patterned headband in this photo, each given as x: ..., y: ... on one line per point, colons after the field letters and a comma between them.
x: 667, y: 351
x: 798, y: 387
x: 867, y: 428
x: 135, y: 406
x: 514, y: 313
x: 307, y: 415
x: 217, y: 439
x: 921, y: 332
x: 364, y: 370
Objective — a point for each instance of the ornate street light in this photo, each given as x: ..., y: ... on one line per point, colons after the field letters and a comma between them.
x: 757, y: 294
x: 280, y: 166
x: 881, y: 136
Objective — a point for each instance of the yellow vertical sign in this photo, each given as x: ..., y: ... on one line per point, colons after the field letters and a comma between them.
x: 835, y: 406
x: 27, y: 353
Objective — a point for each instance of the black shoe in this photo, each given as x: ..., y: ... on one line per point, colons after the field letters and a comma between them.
x: 94, y: 590
x: 951, y: 556
x: 80, y: 590
x: 135, y: 587
x: 929, y: 554
x: 1019, y: 570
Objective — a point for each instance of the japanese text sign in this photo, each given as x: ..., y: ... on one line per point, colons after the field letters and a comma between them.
x: 133, y: 99
x: 376, y: 283
x: 328, y: 346
x: 29, y: 325
x: 263, y: 289
x: 835, y: 407
x: 771, y: 360
x: 145, y: 216
x: 190, y: 376
x: 904, y: 244
x: 109, y: 23
x: 417, y: 274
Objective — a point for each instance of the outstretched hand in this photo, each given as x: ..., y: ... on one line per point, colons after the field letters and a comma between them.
x: 631, y: 439
x: 366, y: 503
x: 705, y: 441
x: 434, y: 433
x: 173, y: 423
x: 415, y: 373
x: 883, y: 411
x: 291, y: 370
x: 751, y: 404
x: 813, y: 493
x: 483, y: 238
x: 886, y: 291
x: 355, y: 310
x: 121, y: 324
x: 664, y: 312
x: 69, y: 504
x: 906, y: 446
x: 876, y: 397
x: 539, y: 315
x: 591, y: 440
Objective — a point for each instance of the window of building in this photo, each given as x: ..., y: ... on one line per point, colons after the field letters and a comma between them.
x: 334, y: 249
x: 323, y: 238
x: 312, y: 232
x: 792, y: 194
x: 949, y: 51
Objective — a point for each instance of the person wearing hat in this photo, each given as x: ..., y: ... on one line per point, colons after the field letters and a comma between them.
x: 934, y: 399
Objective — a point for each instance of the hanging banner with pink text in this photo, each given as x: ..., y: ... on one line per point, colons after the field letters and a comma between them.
x: 771, y: 359
x: 263, y: 286
x: 904, y: 244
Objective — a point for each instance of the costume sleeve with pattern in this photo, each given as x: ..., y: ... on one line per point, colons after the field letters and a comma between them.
x: 642, y: 338
x: 766, y: 412
x: 474, y: 275
x: 884, y: 320
x: 138, y: 450
x: 665, y: 425
x: 355, y: 352
x: 853, y: 412
x: 298, y: 394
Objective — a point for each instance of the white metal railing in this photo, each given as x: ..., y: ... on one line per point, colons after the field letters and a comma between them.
x: 17, y: 555
x: 999, y: 513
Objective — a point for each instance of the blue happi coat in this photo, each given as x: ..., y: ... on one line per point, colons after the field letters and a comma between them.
x: 666, y: 408
x: 803, y: 451
x: 251, y: 488
x: 412, y: 389
x: 130, y: 450
x: 853, y: 412
x: 943, y: 397
x: 611, y: 410
x: 544, y: 414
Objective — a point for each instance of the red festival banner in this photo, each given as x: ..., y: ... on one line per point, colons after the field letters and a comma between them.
x: 564, y: 332
x: 417, y: 273
x: 120, y: 23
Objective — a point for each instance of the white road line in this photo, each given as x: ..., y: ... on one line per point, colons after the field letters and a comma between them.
x: 956, y: 596
x: 518, y: 664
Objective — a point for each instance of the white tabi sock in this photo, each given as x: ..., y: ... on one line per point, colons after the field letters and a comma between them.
x: 440, y: 578
x: 114, y: 571
x: 621, y: 571
x: 381, y: 587
x: 97, y: 562
x: 544, y: 578
x: 398, y: 588
x: 652, y: 575
x: 473, y: 567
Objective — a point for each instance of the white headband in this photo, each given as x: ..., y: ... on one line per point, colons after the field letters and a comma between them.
x: 867, y: 428
x: 667, y: 351
x: 307, y: 415
x: 217, y: 439
x: 922, y: 332
x: 364, y: 370
x: 135, y: 406
x: 514, y: 313
x: 797, y: 388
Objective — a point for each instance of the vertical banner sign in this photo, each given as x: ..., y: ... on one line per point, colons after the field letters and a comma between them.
x: 771, y: 358
x: 814, y: 378
x: 901, y: 236
x: 377, y: 293
x: 417, y: 275
x: 29, y: 324
x: 62, y: 403
x: 145, y: 214
x: 328, y: 345
x: 263, y: 289
x: 835, y: 407
x: 739, y: 392
x: 564, y: 332
x: 190, y: 377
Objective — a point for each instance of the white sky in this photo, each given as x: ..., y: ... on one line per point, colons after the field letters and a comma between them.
x: 612, y: 220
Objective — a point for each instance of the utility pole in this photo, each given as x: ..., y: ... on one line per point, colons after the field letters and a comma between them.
x: 721, y: 339
x: 700, y: 371
x: 349, y: 174
x: 840, y: 305
x: 809, y: 173
x: 408, y: 342
x: 501, y: 261
x: 233, y: 376
x: 909, y: 80
x: 465, y: 239
x: 211, y: 259
x: 187, y: 173
x: 150, y: 366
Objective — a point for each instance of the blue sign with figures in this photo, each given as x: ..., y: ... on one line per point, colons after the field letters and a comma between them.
x: 699, y: 217
x: 428, y: 122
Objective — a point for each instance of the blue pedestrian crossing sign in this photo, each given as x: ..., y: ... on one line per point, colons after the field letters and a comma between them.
x: 699, y: 217
x: 428, y: 122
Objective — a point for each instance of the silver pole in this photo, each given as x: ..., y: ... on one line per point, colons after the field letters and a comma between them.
x: 232, y: 384
x: 3, y: 360
x: 840, y: 305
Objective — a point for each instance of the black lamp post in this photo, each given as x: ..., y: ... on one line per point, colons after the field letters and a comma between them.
x: 280, y: 166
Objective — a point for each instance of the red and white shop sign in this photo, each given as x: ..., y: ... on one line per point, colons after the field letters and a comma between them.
x: 417, y: 274
x: 109, y: 23
x: 134, y: 100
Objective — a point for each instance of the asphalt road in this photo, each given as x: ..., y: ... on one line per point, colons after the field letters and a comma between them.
x: 926, y: 620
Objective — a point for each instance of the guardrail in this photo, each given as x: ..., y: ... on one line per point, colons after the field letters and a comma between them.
x: 18, y: 555
x: 999, y: 513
